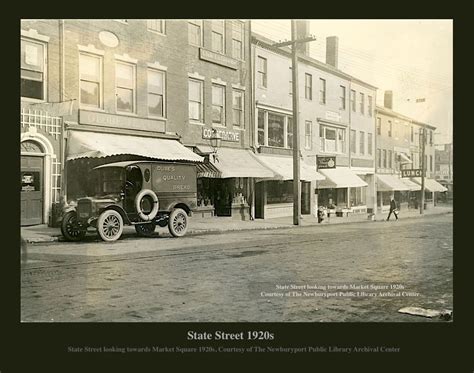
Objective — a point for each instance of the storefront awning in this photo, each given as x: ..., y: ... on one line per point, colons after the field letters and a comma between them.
x: 431, y: 185
x: 340, y: 177
x: 404, y: 159
x: 239, y: 163
x: 410, y: 184
x: 207, y: 170
x: 97, y: 145
x: 389, y: 183
x: 283, y: 168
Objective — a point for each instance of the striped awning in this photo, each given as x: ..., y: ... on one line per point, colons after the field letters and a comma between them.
x: 207, y: 170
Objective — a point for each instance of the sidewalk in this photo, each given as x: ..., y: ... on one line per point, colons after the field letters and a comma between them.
x: 43, y: 233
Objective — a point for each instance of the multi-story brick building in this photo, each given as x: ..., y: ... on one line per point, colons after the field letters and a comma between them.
x: 331, y: 124
x: 444, y: 167
x: 160, y: 81
x: 398, y: 146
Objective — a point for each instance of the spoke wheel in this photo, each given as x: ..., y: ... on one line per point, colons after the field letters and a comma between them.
x: 70, y: 228
x: 145, y: 230
x: 178, y: 223
x: 110, y: 225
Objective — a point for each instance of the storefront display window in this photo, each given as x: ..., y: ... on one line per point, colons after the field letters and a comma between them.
x: 276, y: 130
x: 279, y: 192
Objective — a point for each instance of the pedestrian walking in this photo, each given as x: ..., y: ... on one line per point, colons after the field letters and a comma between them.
x: 320, y: 214
x: 393, y: 208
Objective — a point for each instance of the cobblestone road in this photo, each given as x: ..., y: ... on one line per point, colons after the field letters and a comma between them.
x: 235, y: 276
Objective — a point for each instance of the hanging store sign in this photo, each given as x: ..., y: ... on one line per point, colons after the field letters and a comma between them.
x: 412, y: 172
x: 217, y: 58
x: 225, y: 135
x: 325, y: 162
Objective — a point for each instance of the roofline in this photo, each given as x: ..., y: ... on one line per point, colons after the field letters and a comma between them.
x: 258, y: 39
x: 390, y: 112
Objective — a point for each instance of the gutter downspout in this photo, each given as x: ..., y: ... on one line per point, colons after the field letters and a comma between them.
x: 251, y: 126
x: 61, y: 99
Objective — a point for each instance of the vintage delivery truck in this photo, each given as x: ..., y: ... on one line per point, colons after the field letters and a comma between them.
x: 139, y: 193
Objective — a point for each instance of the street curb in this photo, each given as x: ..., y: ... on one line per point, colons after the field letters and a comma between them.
x: 199, y: 232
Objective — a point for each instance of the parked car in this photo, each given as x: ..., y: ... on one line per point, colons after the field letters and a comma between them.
x: 139, y: 193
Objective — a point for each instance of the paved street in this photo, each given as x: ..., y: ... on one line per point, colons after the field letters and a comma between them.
x: 375, y: 269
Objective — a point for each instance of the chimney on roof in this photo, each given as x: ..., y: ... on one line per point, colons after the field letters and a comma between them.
x: 388, y: 100
x: 332, y: 50
x: 302, y: 31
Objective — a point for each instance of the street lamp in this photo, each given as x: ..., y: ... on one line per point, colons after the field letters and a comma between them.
x: 215, y: 141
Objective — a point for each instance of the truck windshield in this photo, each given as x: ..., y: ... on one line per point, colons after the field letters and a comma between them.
x: 111, y: 180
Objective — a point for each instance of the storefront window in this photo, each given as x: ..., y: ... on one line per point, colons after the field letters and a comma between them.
x: 358, y: 196
x: 275, y: 130
x: 261, y: 127
x: 279, y: 192
x: 290, y: 133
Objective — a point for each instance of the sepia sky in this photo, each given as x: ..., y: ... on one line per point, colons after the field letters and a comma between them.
x: 413, y: 58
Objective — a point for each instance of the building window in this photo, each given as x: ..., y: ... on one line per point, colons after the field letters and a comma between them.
x: 412, y: 134
x: 237, y: 40
x: 90, y: 75
x: 332, y: 140
x: 431, y: 163
x: 218, y: 104
x: 156, y: 25
x: 291, y: 81
x: 218, y: 41
x: 353, y: 100
x: 289, y: 133
x: 384, y: 154
x: 379, y: 126
x: 353, y: 141
x: 276, y: 130
x: 308, y: 135
x: 362, y: 142
x: 195, y: 32
x: 237, y: 107
x: 308, y: 86
x: 262, y: 72
x: 389, y: 159
x: 379, y: 158
x: 195, y: 105
x: 369, y: 144
x: 362, y: 102
x: 343, y: 98
x: 125, y: 87
x: 389, y: 128
x: 261, y: 128
x: 369, y: 107
x: 431, y: 137
x: 322, y: 91
x: 32, y: 70
x: 156, y: 93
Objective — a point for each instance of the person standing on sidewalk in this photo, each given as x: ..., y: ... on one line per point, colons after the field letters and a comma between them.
x: 393, y: 208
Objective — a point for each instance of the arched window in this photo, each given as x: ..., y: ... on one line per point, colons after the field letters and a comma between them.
x: 30, y: 147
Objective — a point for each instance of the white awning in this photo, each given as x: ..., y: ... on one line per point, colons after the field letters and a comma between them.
x: 410, y: 184
x: 340, y: 177
x: 282, y: 166
x: 431, y: 185
x: 82, y: 144
x: 388, y: 183
x: 404, y: 158
x: 239, y: 163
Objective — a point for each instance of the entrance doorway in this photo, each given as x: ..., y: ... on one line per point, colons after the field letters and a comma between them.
x: 31, y: 189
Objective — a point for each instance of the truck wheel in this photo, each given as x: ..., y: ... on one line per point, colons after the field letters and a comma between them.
x: 70, y: 229
x: 178, y: 222
x: 110, y: 225
x: 145, y: 230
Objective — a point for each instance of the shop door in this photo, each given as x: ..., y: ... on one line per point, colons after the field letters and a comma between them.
x: 259, y: 200
x: 305, y: 198
x: 223, y: 197
x: 31, y: 190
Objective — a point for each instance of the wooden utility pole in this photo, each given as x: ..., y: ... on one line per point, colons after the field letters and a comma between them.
x: 423, y: 140
x: 296, y: 134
